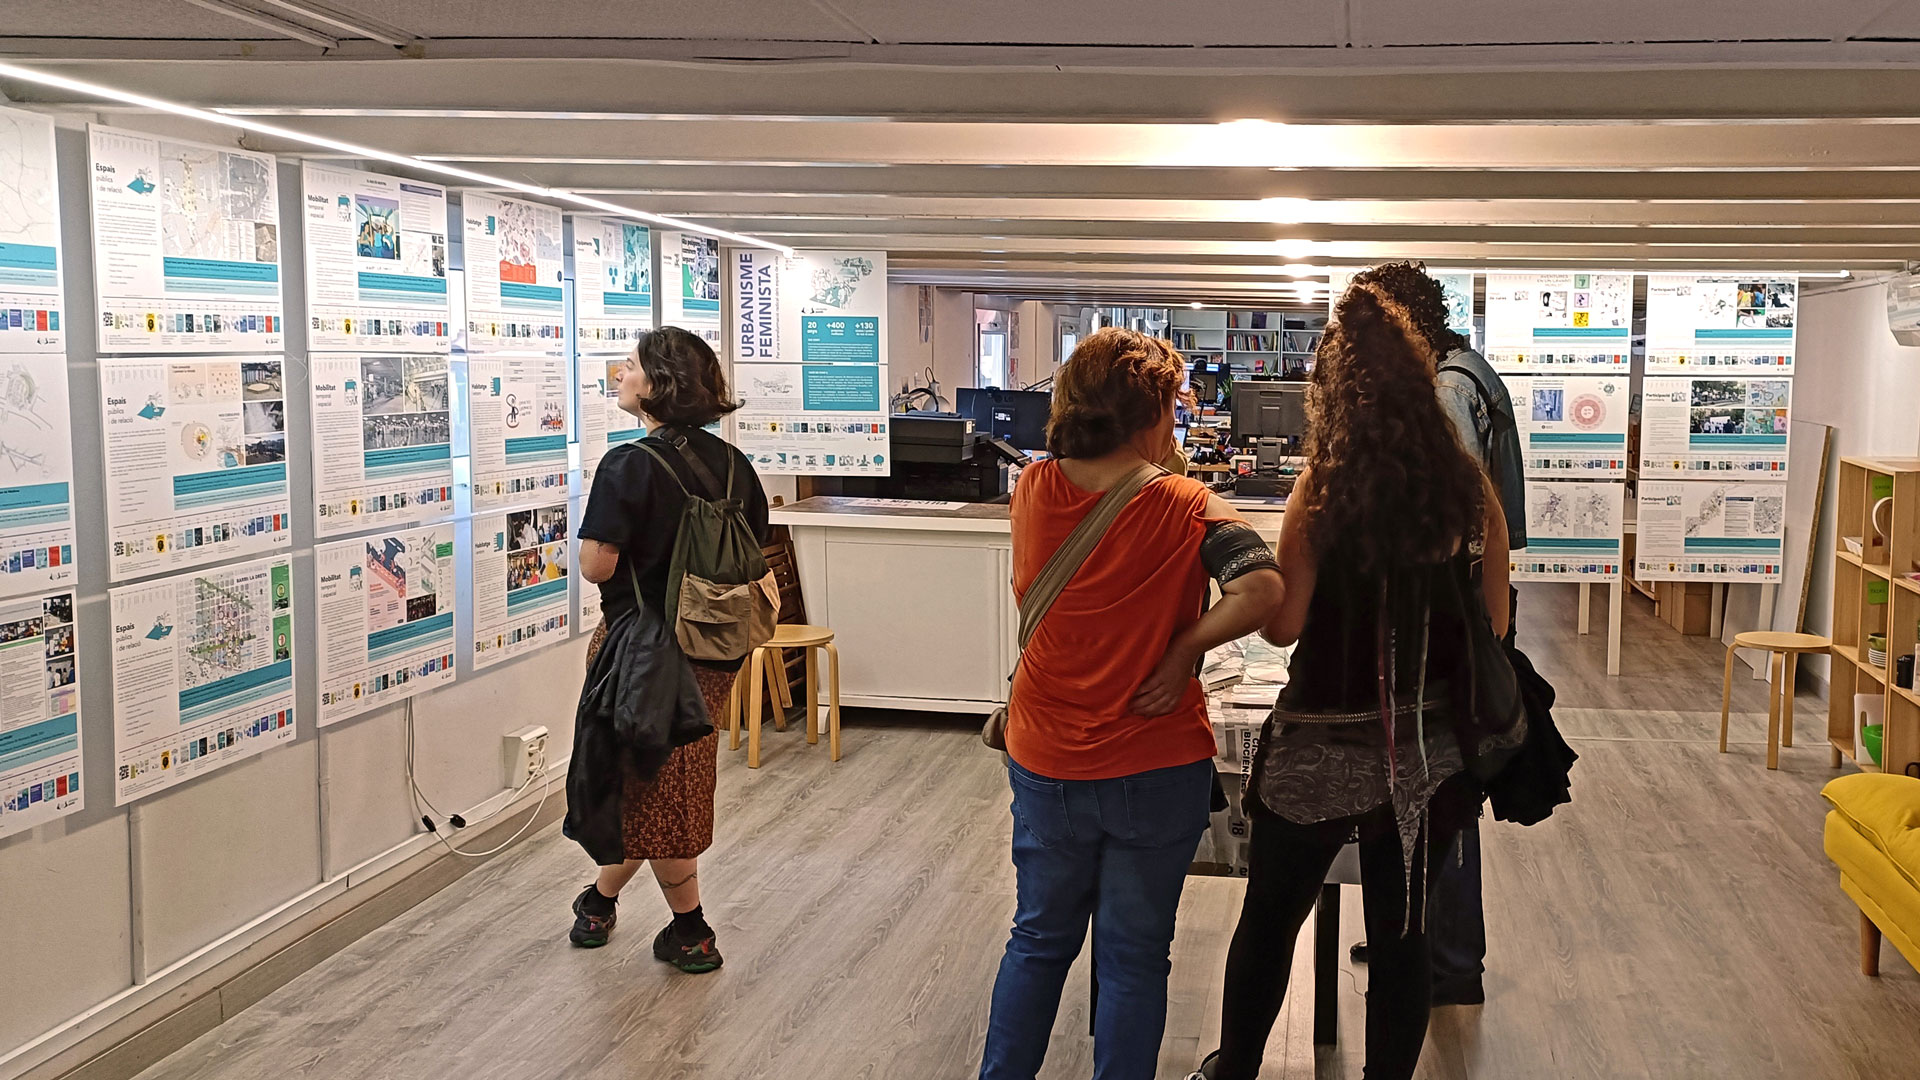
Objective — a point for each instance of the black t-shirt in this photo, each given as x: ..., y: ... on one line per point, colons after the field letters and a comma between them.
x: 636, y: 507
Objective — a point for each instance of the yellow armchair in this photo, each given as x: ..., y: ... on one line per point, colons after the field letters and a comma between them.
x: 1873, y: 836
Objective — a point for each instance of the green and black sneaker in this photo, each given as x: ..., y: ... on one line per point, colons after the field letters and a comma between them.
x: 695, y: 957
x: 593, y: 918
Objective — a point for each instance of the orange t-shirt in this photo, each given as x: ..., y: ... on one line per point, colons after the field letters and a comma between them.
x: 1068, y: 716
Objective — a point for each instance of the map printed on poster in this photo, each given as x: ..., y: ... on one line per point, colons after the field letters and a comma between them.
x: 386, y: 606
x: 39, y: 711
x: 1721, y: 324
x: 1731, y: 429
x: 1560, y: 322
x: 603, y: 424
x: 1574, y: 531
x: 1706, y: 530
x: 376, y: 262
x: 613, y: 283
x: 514, y: 266
x: 31, y: 300
x: 522, y: 585
x: 810, y: 361
x: 36, y: 474
x: 186, y: 246
x: 383, y: 441
x: 196, y: 455
x: 202, y: 672
x: 1571, y: 426
x: 587, y: 611
x: 517, y: 417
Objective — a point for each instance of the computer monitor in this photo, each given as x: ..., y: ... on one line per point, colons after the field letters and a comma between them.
x: 1018, y: 416
x: 1268, y: 410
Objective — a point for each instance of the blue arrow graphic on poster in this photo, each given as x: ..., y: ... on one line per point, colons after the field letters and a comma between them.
x: 140, y: 186
x: 152, y: 410
x: 161, y: 628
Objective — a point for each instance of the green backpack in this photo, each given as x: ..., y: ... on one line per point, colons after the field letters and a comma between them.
x: 721, y: 597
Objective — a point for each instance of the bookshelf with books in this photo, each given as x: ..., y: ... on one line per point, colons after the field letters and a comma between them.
x: 1876, y: 612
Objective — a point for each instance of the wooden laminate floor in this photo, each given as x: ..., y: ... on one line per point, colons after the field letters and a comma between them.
x: 1678, y: 920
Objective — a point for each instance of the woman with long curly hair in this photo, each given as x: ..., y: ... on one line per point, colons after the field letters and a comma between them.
x: 1378, y: 554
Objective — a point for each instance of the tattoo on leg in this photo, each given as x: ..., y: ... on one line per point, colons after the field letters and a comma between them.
x: 665, y: 884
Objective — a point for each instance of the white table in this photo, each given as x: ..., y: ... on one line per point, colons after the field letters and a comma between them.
x: 918, y: 597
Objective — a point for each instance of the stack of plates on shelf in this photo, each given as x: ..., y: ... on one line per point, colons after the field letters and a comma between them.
x: 1852, y: 544
x: 1877, y: 650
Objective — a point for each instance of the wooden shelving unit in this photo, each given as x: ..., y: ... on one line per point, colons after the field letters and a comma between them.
x: 1250, y: 341
x: 1873, y: 595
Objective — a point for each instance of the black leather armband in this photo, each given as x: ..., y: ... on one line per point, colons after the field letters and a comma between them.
x: 1231, y: 549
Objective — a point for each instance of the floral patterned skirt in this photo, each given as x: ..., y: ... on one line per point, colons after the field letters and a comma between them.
x: 671, y: 817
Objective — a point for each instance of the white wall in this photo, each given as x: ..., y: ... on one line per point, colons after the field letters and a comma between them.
x: 1855, y: 378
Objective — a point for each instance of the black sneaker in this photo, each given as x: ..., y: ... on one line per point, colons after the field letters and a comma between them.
x: 693, y: 957
x: 591, y: 928
x: 1207, y: 1065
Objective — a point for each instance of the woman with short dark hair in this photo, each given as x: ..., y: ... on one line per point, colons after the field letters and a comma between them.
x: 1110, y: 754
x: 674, y: 384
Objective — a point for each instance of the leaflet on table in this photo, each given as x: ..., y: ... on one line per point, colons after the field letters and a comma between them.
x: 809, y: 360
x: 202, y: 672
x: 1574, y: 530
x: 1560, y: 322
x: 376, y: 262
x: 39, y: 711
x: 690, y: 267
x: 514, y: 267
x: 1722, y: 323
x: 186, y: 246
x: 382, y: 438
x: 521, y: 582
x: 36, y: 473
x: 613, y: 283
x: 518, y: 423
x: 1730, y: 429
x: 1571, y: 426
x: 196, y: 456
x: 587, y: 612
x: 32, y: 304
x: 1706, y: 530
x: 386, y: 606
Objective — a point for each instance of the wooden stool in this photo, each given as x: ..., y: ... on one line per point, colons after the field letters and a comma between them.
x: 1786, y: 649
x: 765, y: 659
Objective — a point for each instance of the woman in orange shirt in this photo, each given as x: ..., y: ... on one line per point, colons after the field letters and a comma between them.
x: 1110, y: 752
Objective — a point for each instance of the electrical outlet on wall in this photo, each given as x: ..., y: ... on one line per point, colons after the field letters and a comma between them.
x: 525, y: 753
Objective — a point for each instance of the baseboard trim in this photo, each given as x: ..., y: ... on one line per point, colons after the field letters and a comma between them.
x: 167, y: 1013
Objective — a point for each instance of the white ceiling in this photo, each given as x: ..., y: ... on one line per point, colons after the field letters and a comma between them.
x: 1078, y: 147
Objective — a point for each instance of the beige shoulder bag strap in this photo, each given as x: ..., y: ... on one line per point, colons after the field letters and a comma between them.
x: 1061, y: 568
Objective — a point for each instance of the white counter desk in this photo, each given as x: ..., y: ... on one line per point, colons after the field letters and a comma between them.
x: 918, y: 597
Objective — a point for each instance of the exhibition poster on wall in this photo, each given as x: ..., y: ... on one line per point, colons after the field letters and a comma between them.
x: 1456, y: 291
x: 522, y: 582
x: 383, y: 441
x: 186, y: 246
x: 31, y: 298
x: 587, y: 612
x: 39, y: 711
x: 518, y: 423
x: 36, y: 474
x: 1560, y: 322
x: 809, y: 360
x: 1704, y: 530
x: 376, y: 262
x: 196, y: 456
x: 514, y: 268
x: 1571, y: 426
x: 603, y: 425
x: 1724, y: 324
x: 1574, y: 531
x: 386, y: 606
x: 690, y: 268
x: 202, y: 672
x: 1725, y: 428
x: 613, y: 283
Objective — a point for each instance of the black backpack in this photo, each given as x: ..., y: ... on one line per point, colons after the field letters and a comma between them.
x: 1505, y: 462
x: 722, y: 599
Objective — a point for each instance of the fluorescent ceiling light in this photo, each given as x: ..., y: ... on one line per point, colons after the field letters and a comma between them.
x: 1196, y: 305
x: 1294, y: 249
x: 44, y: 78
x: 1286, y: 210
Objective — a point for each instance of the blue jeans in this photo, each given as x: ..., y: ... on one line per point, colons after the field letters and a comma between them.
x: 1456, y: 924
x: 1114, y: 851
